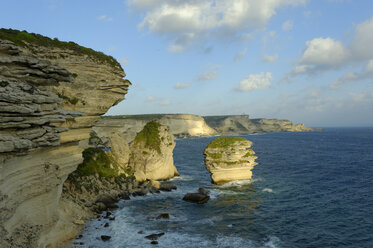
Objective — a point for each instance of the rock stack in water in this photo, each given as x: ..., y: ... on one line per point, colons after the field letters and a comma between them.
x: 151, y: 153
x: 229, y: 159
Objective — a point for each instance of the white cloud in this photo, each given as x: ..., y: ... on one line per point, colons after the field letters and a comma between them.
x: 287, y: 26
x: 210, y: 75
x: 307, y: 13
x: 204, y: 19
x: 152, y: 99
x: 363, y: 40
x: 165, y: 102
x: 365, y: 73
x: 105, y: 18
x: 322, y: 54
x: 270, y: 58
x: 240, y: 55
x: 175, y: 48
x: 181, y: 85
x: 158, y: 101
x: 124, y: 61
x: 255, y: 82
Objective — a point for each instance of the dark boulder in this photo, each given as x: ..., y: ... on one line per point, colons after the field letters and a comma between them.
x: 164, y: 216
x: 105, y: 237
x: 154, y: 236
x: 167, y: 186
x: 200, y: 198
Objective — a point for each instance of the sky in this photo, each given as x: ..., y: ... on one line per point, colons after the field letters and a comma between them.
x: 309, y: 61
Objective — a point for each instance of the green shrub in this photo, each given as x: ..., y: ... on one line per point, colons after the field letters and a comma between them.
x: 249, y: 153
x: 224, y: 142
x: 215, y: 155
x: 149, y: 135
x: 97, y: 161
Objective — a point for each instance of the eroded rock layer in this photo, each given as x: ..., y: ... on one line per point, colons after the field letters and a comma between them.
x: 152, y: 153
x: 50, y: 97
x: 229, y: 159
x: 180, y: 125
x: 242, y: 124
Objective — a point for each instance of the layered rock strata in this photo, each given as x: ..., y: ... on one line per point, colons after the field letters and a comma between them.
x: 180, y: 125
x: 152, y: 153
x: 229, y: 159
x: 242, y: 124
x: 50, y: 97
x: 186, y: 125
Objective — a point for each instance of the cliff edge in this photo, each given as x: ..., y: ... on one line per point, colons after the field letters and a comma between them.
x: 51, y: 94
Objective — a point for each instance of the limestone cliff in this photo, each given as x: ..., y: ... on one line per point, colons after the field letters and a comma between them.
x: 187, y: 125
x: 242, y: 124
x: 51, y: 94
x: 229, y: 159
x: 180, y: 125
x: 152, y: 153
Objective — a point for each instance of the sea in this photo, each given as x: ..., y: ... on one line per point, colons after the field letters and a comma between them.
x: 309, y: 189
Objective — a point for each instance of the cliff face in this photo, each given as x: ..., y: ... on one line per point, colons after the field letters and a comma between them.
x: 180, y: 125
x: 152, y: 153
x: 229, y: 159
x: 50, y: 97
x: 241, y: 124
x: 186, y: 125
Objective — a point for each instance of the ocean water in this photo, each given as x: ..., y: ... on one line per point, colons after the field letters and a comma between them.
x: 310, y: 189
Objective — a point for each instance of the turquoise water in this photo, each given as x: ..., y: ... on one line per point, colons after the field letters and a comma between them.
x: 310, y: 189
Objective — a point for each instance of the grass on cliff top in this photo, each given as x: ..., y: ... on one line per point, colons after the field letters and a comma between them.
x: 224, y: 142
x: 146, y: 117
x: 23, y: 39
x: 150, y: 136
x: 97, y: 161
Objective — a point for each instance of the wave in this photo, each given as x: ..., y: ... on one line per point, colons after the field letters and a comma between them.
x: 239, y: 183
x: 269, y: 190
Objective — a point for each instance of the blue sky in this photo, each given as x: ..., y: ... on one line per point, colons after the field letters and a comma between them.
x: 307, y: 61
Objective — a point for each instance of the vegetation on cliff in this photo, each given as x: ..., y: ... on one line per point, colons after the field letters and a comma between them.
x: 224, y: 142
x: 100, y: 162
x: 24, y: 39
x: 146, y: 117
x: 150, y: 136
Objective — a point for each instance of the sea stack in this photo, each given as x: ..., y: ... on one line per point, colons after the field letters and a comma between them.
x: 229, y: 159
x: 152, y: 153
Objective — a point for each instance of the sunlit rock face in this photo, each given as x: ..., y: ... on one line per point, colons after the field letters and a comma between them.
x: 229, y: 159
x: 242, y: 124
x: 180, y: 125
x: 152, y: 153
x: 50, y: 97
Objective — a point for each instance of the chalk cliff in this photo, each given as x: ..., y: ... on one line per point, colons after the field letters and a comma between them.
x: 242, y: 124
x: 51, y: 94
x: 187, y: 125
x: 180, y: 125
x: 229, y: 159
x: 152, y: 153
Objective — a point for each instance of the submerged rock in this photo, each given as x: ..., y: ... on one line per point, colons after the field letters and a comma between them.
x: 167, y: 186
x: 105, y: 237
x: 199, y: 198
x: 229, y: 159
x: 154, y: 236
x: 164, y: 216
